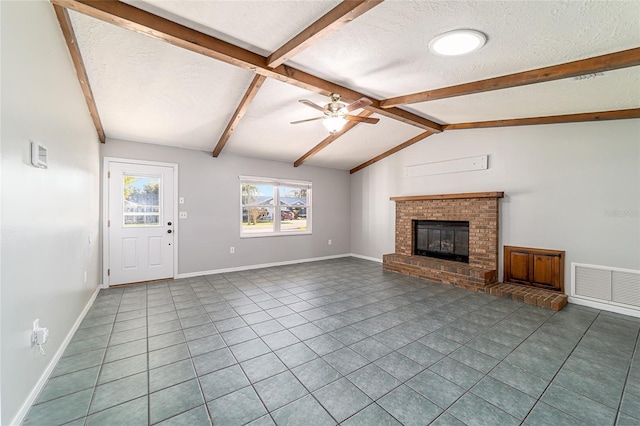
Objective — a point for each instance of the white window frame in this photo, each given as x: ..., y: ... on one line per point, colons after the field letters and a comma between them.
x: 277, y: 183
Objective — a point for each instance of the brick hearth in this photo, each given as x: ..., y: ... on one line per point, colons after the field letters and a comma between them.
x: 481, y: 210
x: 530, y: 295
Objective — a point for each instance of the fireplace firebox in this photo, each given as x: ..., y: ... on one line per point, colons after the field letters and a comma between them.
x: 447, y: 240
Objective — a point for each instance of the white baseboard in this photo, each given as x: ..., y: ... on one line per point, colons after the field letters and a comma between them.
x: 604, y: 306
x: 262, y: 265
x: 24, y: 409
x: 373, y: 259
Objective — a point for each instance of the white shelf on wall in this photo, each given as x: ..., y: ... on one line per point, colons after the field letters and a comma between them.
x: 448, y: 166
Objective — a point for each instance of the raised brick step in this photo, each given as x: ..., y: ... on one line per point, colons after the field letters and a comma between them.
x: 442, y: 271
x: 530, y: 295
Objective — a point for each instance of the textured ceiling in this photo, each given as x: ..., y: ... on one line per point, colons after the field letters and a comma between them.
x: 619, y: 89
x: 386, y: 54
x: 149, y: 91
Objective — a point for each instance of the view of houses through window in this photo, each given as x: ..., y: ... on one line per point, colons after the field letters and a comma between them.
x: 273, y: 206
x: 141, y: 203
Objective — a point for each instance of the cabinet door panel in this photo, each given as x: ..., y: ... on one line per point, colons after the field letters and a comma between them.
x: 520, y: 267
x: 535, y: 267
x: 544, y: 270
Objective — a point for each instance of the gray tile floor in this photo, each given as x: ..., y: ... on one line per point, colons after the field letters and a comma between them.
x: 339, y: 341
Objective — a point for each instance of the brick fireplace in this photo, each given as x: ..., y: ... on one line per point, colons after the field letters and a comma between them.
x: 480, y: 209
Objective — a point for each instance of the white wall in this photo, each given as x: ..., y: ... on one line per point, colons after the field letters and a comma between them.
x: 47, y: 215
x: 559, y: 182
x: 211, y: 190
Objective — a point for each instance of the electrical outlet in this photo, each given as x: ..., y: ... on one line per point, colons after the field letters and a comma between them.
x: 232, y: 250
x: 41, y: 335
x: 183, y: 215
x: 329, y: 242
x: 36, y: 325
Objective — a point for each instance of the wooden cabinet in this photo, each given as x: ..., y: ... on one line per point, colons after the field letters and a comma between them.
x: 535, y: 267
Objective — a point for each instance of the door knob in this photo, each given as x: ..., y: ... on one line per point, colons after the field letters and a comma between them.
x: 169, y: 231
x: 169, y: 224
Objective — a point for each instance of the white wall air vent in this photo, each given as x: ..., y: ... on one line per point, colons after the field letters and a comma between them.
x: 608, y: 288
x: 592, y: 282
x: 625, y: 288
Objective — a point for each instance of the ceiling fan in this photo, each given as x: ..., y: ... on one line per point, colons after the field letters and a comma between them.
x: 336, y: 112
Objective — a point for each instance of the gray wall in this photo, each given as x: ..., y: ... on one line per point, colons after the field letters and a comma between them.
x: 559, y: 182
x: 211, y: 190
x: 49, y: 215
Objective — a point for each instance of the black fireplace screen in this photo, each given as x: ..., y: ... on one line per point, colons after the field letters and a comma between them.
x: 441, y: 239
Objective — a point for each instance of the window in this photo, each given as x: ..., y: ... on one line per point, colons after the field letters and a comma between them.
x: 274, y: 207
x: 141, y: 206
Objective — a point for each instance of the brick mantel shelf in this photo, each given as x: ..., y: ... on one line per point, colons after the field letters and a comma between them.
x: 480, y: 209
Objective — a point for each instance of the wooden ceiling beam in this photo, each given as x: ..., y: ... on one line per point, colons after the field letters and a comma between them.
x: 134, y: 19
x: 329, y: 139
x: 612, y: 61
x: 248, y: 97
x: 332, y: 21
x: 81, y: 72
x: 552, y: 119
x: 392, y: 151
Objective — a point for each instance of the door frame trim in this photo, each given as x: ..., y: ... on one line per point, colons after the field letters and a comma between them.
x: 105, y: 211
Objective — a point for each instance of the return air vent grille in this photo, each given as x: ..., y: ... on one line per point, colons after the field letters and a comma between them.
x: 594, y: 283
x: 625, y: 288
x: 606, y: 284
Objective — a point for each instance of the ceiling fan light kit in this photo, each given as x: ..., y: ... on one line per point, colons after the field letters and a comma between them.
x: 457, y: 42
x: 334, y: 124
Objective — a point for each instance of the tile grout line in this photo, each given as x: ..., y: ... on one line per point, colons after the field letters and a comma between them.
x: 196, y: 378
x: 104, y: 356
x: 626, y: 378
x: 146, y: 299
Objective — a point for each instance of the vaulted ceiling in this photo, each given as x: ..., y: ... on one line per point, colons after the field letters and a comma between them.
x: 226, y: 76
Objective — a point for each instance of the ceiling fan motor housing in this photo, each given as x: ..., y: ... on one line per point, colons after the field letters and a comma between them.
x: 335, y: 108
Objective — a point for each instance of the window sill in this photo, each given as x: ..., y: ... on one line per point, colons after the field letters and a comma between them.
x: 274, y: 234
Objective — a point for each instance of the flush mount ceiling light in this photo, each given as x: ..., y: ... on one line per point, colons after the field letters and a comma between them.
x: 457, y: 42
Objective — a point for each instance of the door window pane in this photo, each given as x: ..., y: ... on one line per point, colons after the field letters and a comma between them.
x: 141, y: 200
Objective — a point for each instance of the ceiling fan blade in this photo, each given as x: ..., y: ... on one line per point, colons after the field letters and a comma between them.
x: 368, y: 120
x: 311, y: 104
x: 360, y: 103
x: 308, y: 119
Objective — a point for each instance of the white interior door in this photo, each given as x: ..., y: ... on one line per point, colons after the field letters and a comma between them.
x: 140, y: 222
